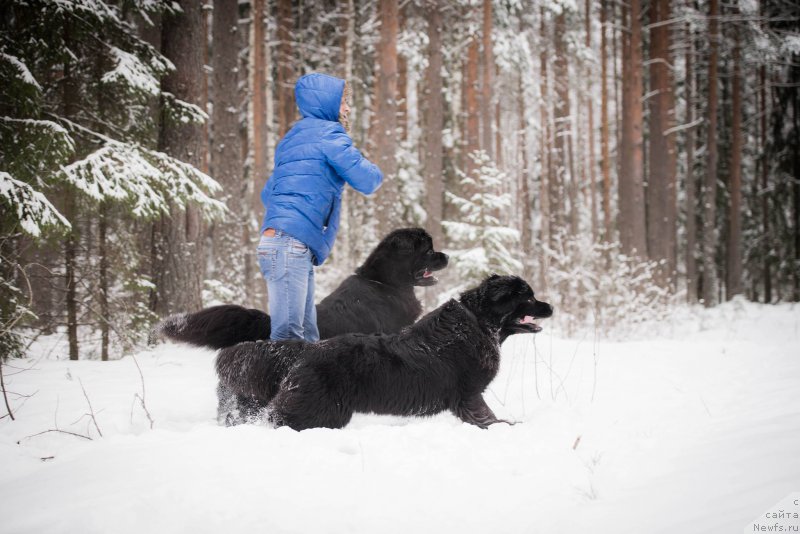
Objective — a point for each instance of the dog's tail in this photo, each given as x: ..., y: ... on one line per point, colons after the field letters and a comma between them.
x: 256, y: 369
x: 216, y: 327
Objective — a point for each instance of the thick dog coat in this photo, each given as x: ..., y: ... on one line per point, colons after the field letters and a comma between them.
x: 443, y: 362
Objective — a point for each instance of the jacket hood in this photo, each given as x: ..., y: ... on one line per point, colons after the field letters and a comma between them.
x: 319, y: 96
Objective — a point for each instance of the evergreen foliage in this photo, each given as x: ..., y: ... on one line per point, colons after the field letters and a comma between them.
x: 77, y: 88
x: 479, y: 244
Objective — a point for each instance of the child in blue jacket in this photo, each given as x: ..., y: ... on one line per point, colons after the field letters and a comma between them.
x: 303, y: 198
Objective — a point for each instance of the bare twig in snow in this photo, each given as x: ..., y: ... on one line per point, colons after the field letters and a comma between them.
x: 141, y: 397
x: 55, y: 430
x: 577, y: 442
x: 7, y: 328
x: 91, y: 410
x: 5, y: 396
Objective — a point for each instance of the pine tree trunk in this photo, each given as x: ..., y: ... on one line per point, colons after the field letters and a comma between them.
x: 434, y: 106
x: 286, y: 77
x: 631, y: 187
x: 615, y: 58
x: 498, y: 127
x: 561, y: 127
x: 547, y: 191
x: 70, y: 101
x: 590, y: 134
x: 486, y: 84
x: 710, y: 190
x: 350, y: 200
x: 70, y: 254
x: 608, y: 230
x: 524, y: 187
x: 254, y: 288
x: 795, y: 79
x: 260, y: 172
x: 102, y: 251
x: 472, y: 106
x: 384, y: 133
x: 762, y: 83
x: 661, y: 194
x: 734, y: 270
x: 402, y: 85
x: 226, y: 155
x: 180, y: 257
x: 690, y: 181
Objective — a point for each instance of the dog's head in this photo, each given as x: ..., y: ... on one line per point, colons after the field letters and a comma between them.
x: 506, y: 303
x: 405, y: 257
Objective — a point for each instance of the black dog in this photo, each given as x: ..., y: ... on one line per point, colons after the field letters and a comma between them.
x: 443, y: 362
x: 378, y: 298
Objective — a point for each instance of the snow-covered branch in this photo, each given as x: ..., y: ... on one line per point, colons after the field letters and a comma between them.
x: 30, y: 207
x: 146, y: 179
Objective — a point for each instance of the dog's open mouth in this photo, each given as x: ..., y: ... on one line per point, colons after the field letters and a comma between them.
x: 530, y: 323
x: 424, y: 277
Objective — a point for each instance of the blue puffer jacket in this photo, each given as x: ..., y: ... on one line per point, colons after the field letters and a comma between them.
x: 313, y: 161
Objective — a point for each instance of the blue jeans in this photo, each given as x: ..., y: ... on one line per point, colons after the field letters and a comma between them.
x: 286, y: 265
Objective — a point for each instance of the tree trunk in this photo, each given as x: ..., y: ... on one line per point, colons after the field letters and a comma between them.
x: 615, y: 47
x: 561, y: 127
x: 548, y: 179
x: 472, y: 106
x: 734, y: 270
x: 384, y: 133
x: 486, y: 85
x: 526, y: 218
x: 590, y: 134
x: 608, y: 230
x: 180, y: 257
x: 350, y: 238
x: 70, y: 99
x: 710, y: 190
x: 402, y: 84
x: 795, y: 80
x: 690, y: 182
x: 70, y: 254
x: 260, y: 171
x: 762, y: 83
x: 102, y: 250
x: 286, y: 75
x: 226, y: 155
x: 435, y: 122
x: 498, y: 127
x: 661, y: 194
x: 260, y: 65
x: 631, y: 187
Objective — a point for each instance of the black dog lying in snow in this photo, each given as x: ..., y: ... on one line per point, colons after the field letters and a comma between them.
x: 378, y: 298
x: 443, y: 362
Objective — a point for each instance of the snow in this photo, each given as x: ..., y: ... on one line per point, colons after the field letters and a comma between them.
x: 22, y: 71
x: 134, y: 72
x: 691, y: 430
x: 147, y: 179
x: 31, y: 208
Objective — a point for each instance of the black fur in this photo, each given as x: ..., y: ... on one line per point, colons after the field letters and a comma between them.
x: 378, y: 298
x: 443, y: 362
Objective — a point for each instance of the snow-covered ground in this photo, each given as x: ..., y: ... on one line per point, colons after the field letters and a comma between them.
x: 696, y: 429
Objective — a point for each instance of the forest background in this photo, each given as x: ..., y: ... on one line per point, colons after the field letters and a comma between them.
x: 624, y: 157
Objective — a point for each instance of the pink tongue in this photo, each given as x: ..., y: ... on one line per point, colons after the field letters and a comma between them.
x: 427, y: 274
x: 527, y: 320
